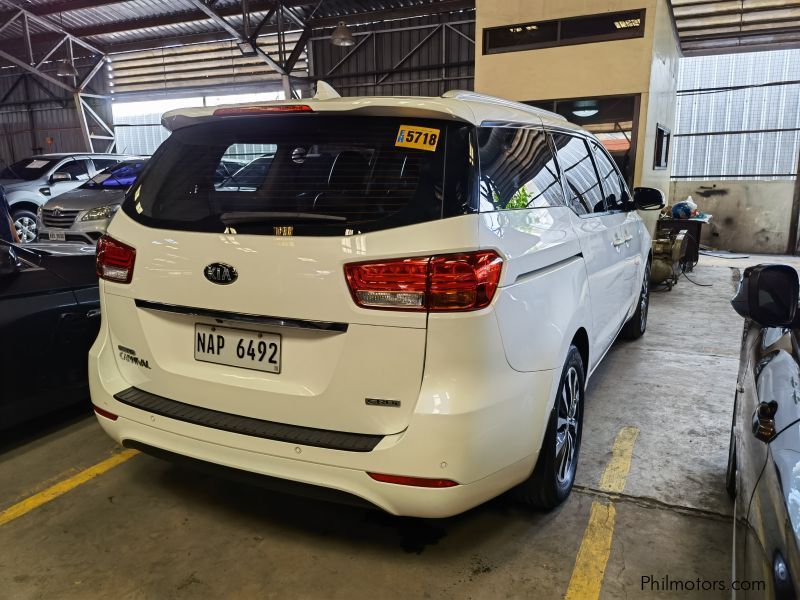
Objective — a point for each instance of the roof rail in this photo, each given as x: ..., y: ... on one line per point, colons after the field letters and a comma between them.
x: 485, y: 98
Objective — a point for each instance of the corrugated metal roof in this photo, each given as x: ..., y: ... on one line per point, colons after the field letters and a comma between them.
x: 722, y: 26
x: 704, y: 26
x: 111, y: 23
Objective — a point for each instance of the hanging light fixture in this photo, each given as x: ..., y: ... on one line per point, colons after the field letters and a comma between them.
x: 341, y: 36
x: 66, y: 69
x: 585, y: 108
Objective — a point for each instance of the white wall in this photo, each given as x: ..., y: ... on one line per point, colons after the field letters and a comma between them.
x: 748, y: 216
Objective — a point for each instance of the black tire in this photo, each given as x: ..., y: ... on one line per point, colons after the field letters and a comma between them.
x: 635, y: 328
x: 26, y: 225
x: 730, y: 471
x: 552, y: 478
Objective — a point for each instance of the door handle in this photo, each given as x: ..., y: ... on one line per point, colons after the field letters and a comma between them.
x: 628, y: 238
x: 617, y: 242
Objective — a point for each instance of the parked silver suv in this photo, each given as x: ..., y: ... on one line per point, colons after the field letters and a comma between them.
x: 31, y: 182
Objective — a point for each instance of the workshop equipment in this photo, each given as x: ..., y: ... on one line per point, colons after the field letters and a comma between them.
x: 692, y: 228
x: 669, y: 256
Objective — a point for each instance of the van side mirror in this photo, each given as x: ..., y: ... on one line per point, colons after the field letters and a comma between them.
x: 764, y: 421
x: 645, y: 198
x: 768, y: 295
x: 60, y: 176
x: 9, y: 264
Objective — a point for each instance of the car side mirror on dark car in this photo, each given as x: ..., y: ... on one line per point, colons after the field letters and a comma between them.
x: 645, y: 198
x: 9, y: 264
x: 60, y: 176
x: 768, y: 295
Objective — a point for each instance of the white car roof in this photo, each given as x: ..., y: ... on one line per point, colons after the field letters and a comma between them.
x: 470, y: 107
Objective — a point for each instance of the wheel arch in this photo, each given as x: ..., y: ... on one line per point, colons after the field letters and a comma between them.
x: 581, y: 341
x: 23, y: 203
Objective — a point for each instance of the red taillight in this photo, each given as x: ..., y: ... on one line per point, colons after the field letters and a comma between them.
x: 105, y: 413
x: 450, y: 282
x: 230, y: 111
x: 392, y: 284
x: 115, y: 260
x: 414, y: 481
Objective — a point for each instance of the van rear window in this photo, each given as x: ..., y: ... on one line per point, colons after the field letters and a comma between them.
x: 315, y: 174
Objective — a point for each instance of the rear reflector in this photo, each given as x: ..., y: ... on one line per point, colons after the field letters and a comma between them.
x: 413, y: 481
x: 115, y: 260
x: 232, y: 111
x: 450, y: 282
x: 105, y: 413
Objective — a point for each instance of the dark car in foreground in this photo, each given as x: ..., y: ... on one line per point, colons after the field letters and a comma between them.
x: 49, y: 317
x: 764, y: 456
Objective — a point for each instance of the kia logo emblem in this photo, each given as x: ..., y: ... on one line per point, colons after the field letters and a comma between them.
x: 220, y: 273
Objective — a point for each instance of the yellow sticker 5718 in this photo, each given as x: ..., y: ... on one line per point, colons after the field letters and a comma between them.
x: 421, y: 138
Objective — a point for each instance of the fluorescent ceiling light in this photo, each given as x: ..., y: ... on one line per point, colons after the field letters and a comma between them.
x: 628, y: 23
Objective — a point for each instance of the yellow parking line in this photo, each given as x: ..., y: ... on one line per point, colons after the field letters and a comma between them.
x: 62, y: 487
x: 590, y: 563
x: 616, y: 471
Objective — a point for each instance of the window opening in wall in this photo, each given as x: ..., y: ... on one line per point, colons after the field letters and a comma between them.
x: 661, y: 156
x: 563, y: 32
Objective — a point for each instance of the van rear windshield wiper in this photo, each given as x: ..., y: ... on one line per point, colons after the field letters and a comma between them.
x: 264, y: 217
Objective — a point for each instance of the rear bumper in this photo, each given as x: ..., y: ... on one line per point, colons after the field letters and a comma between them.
x: 486, y: 443
x: 395, y: 499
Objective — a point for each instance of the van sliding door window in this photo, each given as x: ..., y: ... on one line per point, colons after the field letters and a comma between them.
x: 518, y: 169
x: 616, y: 194
x: 584, y: 194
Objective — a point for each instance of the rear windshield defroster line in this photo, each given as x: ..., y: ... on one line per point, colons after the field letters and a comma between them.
x: 309, y: 174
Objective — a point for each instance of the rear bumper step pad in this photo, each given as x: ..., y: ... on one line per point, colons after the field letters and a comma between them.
x: 281, y: 432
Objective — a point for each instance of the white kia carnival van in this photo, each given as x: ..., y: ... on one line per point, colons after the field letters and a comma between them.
x: 399, y: 300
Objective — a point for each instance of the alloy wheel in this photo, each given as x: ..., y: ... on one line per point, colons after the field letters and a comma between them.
x: 644, y: 299
x: 26, y: 229
x: 567, y: 425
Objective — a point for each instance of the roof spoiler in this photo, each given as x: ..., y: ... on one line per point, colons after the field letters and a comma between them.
x: 485, y: 98
x: 325, y: 91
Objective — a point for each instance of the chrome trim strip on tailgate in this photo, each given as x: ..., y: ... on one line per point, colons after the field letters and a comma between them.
x: 243, y: 317
x: 281, y: 432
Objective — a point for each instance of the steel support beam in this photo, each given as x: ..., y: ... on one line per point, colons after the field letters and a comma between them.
x: 376, y: 16
x: 793, y: 247
x: 33, y: 70
x: 285, y: 62
x: 86, y: 112
x: 48, y: 24
x: 412, y: 52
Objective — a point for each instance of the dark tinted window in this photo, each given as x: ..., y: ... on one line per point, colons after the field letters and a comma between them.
x: 28, y: 169
x: 104, y: 163
x: 120, y: 176
x: 614, y: 189
x: 584, y: 195
x: 613, y: 26
x: 661, y: 155
x: 517, y: 169
x: 520, y: 37
x: 76, y: 168
x: 321, y: 175
x: 562, y: 32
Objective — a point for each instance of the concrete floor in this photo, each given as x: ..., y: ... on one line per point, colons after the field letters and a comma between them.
x: 147, y: 529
